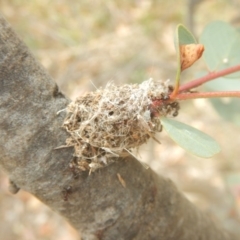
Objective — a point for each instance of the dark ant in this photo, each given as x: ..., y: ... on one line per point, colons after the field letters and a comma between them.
x: 164, y: 97
x: 73, y: 168
x: 66, y: 192
x: 170, y: 89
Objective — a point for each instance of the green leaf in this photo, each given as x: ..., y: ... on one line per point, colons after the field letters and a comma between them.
x: 222, y: 46
x: 221, y: 84
x: 182, y: 37
x: 228, y: 109
x: 191, y: 139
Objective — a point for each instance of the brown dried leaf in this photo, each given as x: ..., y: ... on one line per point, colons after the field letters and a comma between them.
x: 190, y: 53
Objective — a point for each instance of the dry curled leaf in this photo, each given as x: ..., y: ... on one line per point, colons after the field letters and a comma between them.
x: 190, y: 53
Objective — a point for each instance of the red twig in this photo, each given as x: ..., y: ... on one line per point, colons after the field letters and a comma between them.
x: 185, y: 96
x: 212, y: 75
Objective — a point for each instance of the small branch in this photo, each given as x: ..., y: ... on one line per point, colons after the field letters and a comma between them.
x: 186, y: 96
x: 175, y: 91
x: 212, y: 75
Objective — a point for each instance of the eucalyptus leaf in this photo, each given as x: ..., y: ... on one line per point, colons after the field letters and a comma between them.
x: 221, y: 84
x: 182, y: 37
x: 222, y: 46
x: 228, y: 110
x: 191, y: 139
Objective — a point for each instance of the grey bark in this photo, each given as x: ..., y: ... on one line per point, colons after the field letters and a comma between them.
x: 98, y: 206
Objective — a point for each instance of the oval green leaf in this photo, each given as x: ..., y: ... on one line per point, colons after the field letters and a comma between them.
x: 191, y: 139
x: 182, y: 37
x: 222, y: 46
x: 228, y: 110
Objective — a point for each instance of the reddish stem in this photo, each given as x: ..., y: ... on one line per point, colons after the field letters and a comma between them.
x: 182, y: 93
x: 185, y: 96
x: 210, y: 76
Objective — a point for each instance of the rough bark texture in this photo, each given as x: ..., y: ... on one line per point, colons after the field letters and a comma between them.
x: 98, y: 206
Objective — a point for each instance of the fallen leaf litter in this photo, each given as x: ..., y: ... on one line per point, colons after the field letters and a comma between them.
x: 106, y: 124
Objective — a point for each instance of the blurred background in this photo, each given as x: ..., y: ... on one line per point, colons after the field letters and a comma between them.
x: 85, y: 44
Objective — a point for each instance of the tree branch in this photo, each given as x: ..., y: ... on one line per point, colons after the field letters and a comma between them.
x: 210, y: 76
x: 98, y: 206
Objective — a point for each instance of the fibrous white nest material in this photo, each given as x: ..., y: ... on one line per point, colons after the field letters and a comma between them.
x: 108, y: 122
